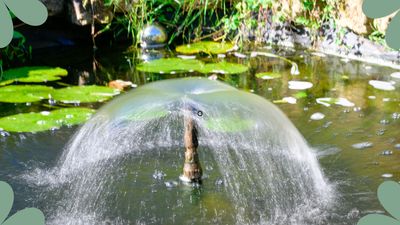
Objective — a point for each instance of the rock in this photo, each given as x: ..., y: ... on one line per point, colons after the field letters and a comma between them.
x: 120, y: 84
x: 54, y: 7
x: 382, y: 24
x: 292, y: 8
x: 351, y: 16
x: 82, y: 15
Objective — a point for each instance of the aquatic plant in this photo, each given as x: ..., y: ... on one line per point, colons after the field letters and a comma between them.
x: 46, y: 120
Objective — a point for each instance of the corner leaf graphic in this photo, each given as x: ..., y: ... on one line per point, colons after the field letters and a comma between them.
x: 31, y: 12
x: 378, y: 9
x: 28, y: 216
x: 389, y: 197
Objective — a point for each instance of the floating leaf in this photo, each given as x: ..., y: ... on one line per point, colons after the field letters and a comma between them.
x: 32, y: 75
x: 229, y: 124
x: 24, y: 93
x: 382, y: 85
x: 300, y: 85
x: 224, y: 68
x: 268, y: 75
x: 79, y: 94
x: 149, y: 114
x: 35, y: 122
x: 170, y: 65
x: 208, y: 47
x: 301, y: 95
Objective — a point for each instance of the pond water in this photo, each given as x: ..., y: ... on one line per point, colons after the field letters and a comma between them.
x: 356, y: 139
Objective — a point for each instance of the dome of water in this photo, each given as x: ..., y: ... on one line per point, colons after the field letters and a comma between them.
x: 122, y: 167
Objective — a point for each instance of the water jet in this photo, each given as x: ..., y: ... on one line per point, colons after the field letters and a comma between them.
x: 257, y: 164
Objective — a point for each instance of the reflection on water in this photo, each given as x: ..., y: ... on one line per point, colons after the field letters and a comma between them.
x: 373, y: 121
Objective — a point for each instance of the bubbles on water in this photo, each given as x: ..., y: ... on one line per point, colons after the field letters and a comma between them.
x: 387, y: 153
x: 200, y: 113
x: 384, y: 122
x: 396, y: 116
x: 381, y: 132
x: 353, y: 214
x: 159, y: 175
x: 387, y: 175
x: 327, y: 124
x: 4, y: 133
x: 171, y: 184
x: 219, y: 182
x: 52, y: 101
x: 363, y: 145
x: 317, y: 116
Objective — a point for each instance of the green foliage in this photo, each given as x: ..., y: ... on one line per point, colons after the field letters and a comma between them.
x: 170, y: 65
x: 35, y: 122
x: 208, y: 47
x: 224, y: 68
x: 16, y: 52
x: 24, y: 93
x: 268, y: 75
x: 32, y: 75
x: 229, y: 124
x: 178, y: 65
x: 83, y: 94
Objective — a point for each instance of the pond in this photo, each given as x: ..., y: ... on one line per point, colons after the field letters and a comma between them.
x: 349, y: 118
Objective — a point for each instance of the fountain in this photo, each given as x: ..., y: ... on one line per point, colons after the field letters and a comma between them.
x: 122, y: 167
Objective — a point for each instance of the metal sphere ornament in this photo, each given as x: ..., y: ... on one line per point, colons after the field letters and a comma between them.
x: 153, y: 36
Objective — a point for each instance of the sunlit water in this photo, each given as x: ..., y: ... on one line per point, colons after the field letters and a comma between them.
x: 130, y: 180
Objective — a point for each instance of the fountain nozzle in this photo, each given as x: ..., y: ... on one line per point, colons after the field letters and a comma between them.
x: 192, y: 171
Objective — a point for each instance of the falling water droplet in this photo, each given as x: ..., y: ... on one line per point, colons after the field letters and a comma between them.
x: 363, y: 145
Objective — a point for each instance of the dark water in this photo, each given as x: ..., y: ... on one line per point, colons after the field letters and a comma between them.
x: 356, y: 173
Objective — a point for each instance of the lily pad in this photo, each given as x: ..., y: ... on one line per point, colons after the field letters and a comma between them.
x: 84, y: 94
x: 300, y: 85
x: 382, y: 85
x: 150, y: 114
x: 35, y: 122
x: 24, y: 93
x: 229, y: 124
x: 208, y: 47
x: 170, y: 65
x: 224, y: 68
x: 268, y: 75
x: 32, y: 75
